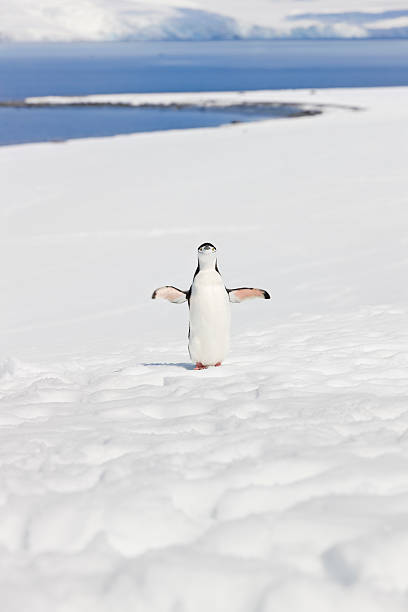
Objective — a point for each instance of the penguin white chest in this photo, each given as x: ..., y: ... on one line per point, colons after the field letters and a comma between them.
x: 209, y: 319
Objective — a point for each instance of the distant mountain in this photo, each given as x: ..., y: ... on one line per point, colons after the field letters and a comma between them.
x: 110, y: 20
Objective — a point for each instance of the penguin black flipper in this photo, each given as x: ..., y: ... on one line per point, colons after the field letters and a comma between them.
x: 247, y: 293
x: 172, y: 294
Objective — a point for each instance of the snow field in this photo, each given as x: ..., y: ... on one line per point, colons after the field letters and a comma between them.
x: 278, y: 481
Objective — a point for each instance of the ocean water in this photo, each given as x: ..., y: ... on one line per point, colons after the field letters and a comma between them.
x: 86, y: 68
x: 23, y: 125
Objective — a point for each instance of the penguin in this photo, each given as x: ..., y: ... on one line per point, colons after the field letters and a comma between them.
x: 209, y: 306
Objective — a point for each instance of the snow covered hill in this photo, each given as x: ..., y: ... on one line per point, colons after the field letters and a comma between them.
x: 97, y: 20
x: 276, y: 482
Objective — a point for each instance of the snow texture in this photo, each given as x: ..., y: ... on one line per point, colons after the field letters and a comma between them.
x: 275, y: 482
x: 99, y: 20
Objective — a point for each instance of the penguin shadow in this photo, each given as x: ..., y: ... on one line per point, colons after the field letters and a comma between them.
x: 184, y: 366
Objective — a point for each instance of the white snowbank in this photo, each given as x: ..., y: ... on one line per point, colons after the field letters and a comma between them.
x: 305, y: 98
x: 98, y: 20
x: 276, y: 482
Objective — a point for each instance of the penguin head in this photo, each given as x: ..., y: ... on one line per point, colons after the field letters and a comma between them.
x: 207, y: 255
x: 207, y: 247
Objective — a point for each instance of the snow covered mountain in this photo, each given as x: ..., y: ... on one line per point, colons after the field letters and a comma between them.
x: 99, y: 20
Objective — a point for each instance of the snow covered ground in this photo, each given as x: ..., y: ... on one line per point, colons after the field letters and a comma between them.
x: 276, y: 482
x: 48, y: 20
x: 207, y: 99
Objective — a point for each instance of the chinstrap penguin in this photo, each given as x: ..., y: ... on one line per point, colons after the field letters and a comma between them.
x: 208, y: 301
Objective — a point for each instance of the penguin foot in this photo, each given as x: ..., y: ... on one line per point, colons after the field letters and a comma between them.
x: 200, y: 366
x: 218, y: 364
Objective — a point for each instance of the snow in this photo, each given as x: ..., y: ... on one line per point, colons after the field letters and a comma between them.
x: 305, y: 98
x: 99, y: 20
x: 276, y: 482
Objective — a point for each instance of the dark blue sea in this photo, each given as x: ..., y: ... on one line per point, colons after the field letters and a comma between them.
x: 87, y: 68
